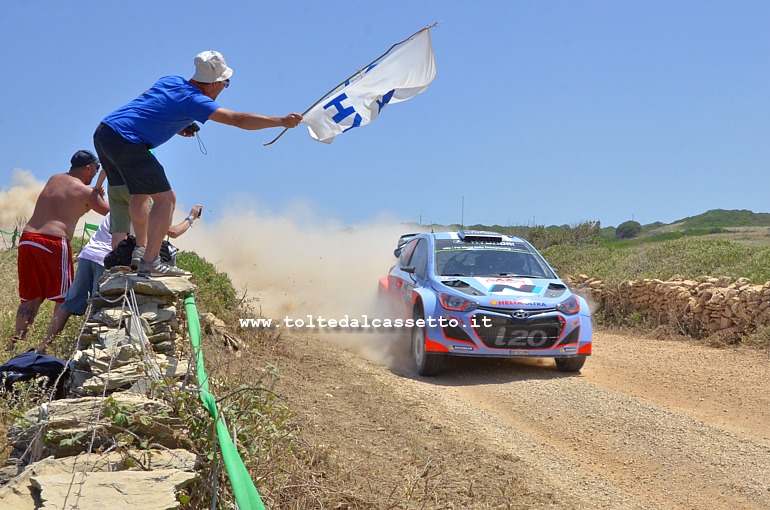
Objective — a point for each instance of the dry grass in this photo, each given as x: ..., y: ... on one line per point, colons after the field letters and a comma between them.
x: 243, y: 383
x: 754, y: 236
x: 9, y: 302
x: 9, y: 294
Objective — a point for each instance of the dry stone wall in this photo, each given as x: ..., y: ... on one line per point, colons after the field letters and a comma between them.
x: 74, y: 452
x: 698, y: 308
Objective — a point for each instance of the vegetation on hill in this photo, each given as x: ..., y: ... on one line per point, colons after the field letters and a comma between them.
x: 725, y: 218
x: 689, y: 257
x: 715, y: 221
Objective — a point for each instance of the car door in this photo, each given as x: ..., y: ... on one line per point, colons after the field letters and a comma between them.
x: 402, y: 282
x: 418, y: 261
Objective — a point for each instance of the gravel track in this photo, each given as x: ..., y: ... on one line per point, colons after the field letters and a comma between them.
x: 647, y: 424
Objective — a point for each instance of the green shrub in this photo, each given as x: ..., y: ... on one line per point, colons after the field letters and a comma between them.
x: 628, y: 229
x: 689, y: 257
x: 215, y: 292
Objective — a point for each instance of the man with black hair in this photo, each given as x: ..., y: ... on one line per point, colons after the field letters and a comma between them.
x: 45, y: 256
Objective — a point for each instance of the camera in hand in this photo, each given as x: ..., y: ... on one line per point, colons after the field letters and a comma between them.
x: 191, y: 129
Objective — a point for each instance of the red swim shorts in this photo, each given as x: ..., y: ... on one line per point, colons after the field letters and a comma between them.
x: 45, y: 267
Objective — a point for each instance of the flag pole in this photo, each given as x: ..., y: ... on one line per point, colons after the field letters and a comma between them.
x: 353, y: 76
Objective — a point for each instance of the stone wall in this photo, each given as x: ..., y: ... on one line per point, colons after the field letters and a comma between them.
x: 77, y: 452
x: 694, y: 307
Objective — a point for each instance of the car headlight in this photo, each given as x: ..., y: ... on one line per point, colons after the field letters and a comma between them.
x: 456, y: 303
x: 569, y: 306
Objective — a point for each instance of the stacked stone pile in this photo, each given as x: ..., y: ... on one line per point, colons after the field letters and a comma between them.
x: 120, y: 347
x: 128, y: 345
x: 696, y: 307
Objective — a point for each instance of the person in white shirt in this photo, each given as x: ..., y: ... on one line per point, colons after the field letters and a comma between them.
x: 90, y: 270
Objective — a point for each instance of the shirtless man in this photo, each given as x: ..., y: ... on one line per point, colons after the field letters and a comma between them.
x: 45, y: 258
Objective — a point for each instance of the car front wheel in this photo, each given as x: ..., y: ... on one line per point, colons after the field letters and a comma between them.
x: 570, y: 364
x: 427, y: 364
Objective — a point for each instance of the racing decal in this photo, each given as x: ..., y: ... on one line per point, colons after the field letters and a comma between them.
x: 461, y: 347
x: 501, y: 289
x: 519, y: 352
x: 510, y: 281
x: 454, y: 319
x: 402, y: 288
x: 535, y: 338
x: 568, y: 350
x: 516, y: 302
x: 452, y: 244
x: 512, y: 286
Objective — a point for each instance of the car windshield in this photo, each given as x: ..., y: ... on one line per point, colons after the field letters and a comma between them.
x: 459, y: 259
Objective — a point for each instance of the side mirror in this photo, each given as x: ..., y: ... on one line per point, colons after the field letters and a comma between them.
x: 408, y: 269
x: 397, y: 252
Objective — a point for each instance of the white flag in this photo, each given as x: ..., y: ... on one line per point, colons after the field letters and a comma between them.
x: 403, y: 73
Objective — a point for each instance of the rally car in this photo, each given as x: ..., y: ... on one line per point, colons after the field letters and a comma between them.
x: 473, y: 293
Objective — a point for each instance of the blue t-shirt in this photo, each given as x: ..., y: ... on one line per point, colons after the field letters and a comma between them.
x: 170, y: 105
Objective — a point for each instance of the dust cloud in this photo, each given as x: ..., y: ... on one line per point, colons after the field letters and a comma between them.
x: 18, y: 201
x: 297, y: 265
x: 301, y: 267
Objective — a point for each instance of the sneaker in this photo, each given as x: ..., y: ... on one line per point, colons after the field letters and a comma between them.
x: 136, y: 257
x: 159, y: 268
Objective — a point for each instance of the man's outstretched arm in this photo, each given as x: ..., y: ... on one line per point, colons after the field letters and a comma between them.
x: 254, y: 121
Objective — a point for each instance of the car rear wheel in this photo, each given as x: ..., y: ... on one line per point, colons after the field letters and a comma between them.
x: 570, y: 364
x: 427, y: 363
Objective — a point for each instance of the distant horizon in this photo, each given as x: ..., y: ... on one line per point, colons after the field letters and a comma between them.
x: 20, y: 196
x: 583, y: 221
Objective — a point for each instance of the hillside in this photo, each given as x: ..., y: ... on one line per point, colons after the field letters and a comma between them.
x: 725, y: 218
x: 742, y: 226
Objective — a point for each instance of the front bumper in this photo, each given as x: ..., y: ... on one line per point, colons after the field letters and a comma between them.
x: 509, y: 333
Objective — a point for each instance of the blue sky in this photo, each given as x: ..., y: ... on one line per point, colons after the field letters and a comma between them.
x: 549, y: 112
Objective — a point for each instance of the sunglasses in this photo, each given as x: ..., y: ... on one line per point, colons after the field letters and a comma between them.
x: 227, y: 82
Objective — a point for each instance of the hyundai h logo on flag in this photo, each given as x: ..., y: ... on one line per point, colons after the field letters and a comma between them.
x: 401, y: 74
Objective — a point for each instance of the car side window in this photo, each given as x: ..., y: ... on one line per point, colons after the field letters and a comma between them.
x: 420, y: 259
x: 406, y: 253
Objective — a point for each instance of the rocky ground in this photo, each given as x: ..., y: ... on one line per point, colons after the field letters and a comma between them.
x: 647, y: 424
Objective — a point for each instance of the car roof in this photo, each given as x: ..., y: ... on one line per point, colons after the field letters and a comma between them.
x: 476, y: 236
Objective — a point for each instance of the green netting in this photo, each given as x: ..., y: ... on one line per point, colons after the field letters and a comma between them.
x: 246, y: 494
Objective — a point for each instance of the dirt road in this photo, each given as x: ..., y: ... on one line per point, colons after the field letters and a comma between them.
x: 648, y: 424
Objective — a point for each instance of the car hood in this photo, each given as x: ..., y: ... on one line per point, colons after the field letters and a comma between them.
x: 506, y: 290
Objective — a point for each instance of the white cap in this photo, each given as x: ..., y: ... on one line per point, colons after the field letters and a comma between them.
x: 210, y: 66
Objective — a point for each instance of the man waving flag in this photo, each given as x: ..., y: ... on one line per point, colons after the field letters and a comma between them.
x: 404, y: 71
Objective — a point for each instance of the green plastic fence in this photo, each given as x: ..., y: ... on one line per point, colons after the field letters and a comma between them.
x: 246, y: 494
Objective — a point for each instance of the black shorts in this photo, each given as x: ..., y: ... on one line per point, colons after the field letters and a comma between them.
x: 129, y: 163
